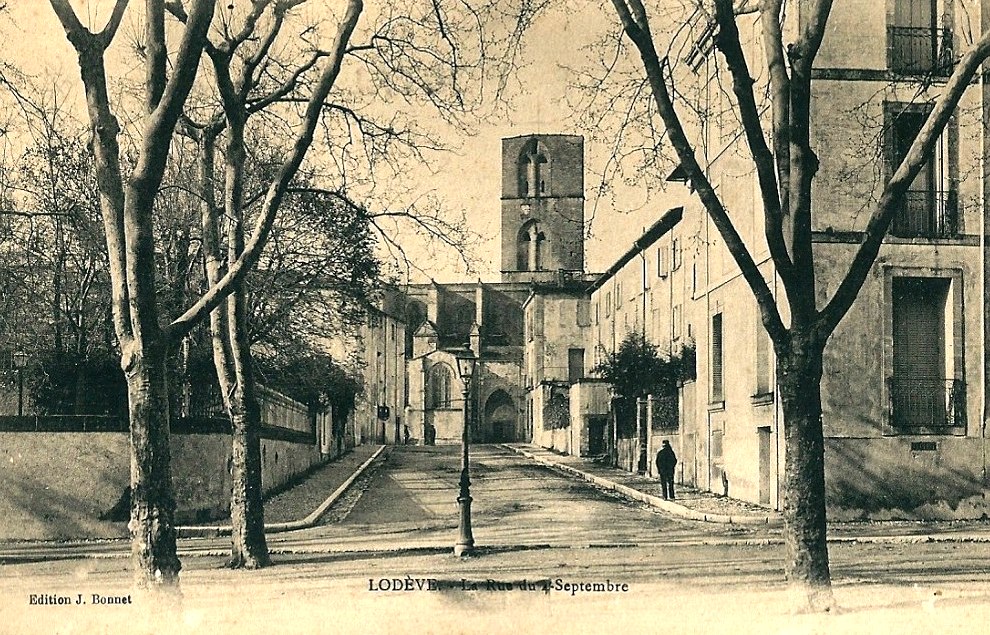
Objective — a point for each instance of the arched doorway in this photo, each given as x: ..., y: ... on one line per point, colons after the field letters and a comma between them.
x: 500, y: 417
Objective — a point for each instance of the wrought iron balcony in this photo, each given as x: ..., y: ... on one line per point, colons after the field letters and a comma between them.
x: 927, y: 214
x: 920, y: 50
x: 927, y: 403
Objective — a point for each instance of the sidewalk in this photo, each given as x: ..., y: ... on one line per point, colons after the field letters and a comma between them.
x: 299, y: 507
x: 690, y: 503
x: 303, y: 504
x: 706, y: 506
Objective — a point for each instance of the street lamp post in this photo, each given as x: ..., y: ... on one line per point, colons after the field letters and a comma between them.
x: 465, y: 539
x: 20, y: 361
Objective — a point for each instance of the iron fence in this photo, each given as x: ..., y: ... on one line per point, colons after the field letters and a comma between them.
x: 920, y: 50
x: 928, y: 403
x: 927, y: 214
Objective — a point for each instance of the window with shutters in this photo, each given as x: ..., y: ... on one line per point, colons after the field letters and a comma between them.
x: 917, y: 44
x: 929, y: 208
x: 924, y: 393
x: 717, y: 384
x: 764, y: 365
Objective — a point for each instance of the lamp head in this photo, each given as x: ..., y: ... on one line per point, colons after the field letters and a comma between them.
x: 465, y: 364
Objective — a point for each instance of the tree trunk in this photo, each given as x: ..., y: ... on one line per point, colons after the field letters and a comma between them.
x: 152, y: 522
x: 799, y: 381
x: 249, y: 548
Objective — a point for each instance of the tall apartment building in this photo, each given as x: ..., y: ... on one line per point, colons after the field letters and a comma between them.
x: 903, y: 390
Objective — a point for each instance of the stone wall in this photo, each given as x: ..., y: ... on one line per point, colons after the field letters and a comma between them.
x: 57, y: 485
x: 906, y: 478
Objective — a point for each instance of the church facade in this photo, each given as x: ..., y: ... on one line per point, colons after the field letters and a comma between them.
x: 542, y: 248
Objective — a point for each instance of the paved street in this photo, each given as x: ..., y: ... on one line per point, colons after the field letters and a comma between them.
x: 411, y: 498
x: 398, y: 524
x: 921, y: 588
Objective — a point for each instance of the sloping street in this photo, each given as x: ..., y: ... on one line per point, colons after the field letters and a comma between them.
x: 410, y: 500
x: 384, y: 550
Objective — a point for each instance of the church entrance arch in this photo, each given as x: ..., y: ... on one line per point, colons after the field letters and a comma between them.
x: 500, y: 417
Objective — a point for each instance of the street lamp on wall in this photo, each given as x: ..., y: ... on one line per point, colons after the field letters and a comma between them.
x: 20, y: 362
x: 465, y: 538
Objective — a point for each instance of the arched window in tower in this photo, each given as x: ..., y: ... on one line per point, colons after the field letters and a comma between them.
x: 522, y: 251
x: 530, y: 247
x: 438, y: 386
x: 534, y: 170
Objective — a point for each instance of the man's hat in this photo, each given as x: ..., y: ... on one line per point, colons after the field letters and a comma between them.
x: 666, y: 442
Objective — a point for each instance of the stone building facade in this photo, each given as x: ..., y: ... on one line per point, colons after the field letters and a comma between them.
x: 903, y: 389
x: 379, y: 415
x: 542, y: 223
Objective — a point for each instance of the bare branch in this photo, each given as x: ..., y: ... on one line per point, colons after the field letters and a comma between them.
x: 277, y: 189
x: 110, y: 30
x: 893, y: 194
x: 773, y: 48
x: 155, y: 54
x: 641, y: 37
x: 287, y: 86
x: 727, y: 41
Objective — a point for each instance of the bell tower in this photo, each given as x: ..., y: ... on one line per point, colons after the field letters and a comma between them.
x: 542, y: 207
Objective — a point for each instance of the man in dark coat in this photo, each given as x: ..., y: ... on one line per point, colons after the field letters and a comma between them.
x: 666, y: 460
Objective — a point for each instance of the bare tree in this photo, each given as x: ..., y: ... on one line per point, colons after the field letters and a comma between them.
x: 786, y: 167
x: 229, y: 326
x: 127, y: 207
x: 262, y: 72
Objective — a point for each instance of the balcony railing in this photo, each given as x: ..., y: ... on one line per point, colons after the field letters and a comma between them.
x: 920, y: 50
x: 928, y: 403
x: 927, y: 214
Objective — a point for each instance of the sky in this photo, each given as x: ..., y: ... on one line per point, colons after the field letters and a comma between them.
x: 541, y: 106
x: 467, y: 179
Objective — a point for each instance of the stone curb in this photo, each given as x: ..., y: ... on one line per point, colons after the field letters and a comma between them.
x: 214, y: 531
x: 192, y: 552
x: 648, y: 499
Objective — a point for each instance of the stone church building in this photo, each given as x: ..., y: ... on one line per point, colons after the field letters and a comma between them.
x: 542, y: 227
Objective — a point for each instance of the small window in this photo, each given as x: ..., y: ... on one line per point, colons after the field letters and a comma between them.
x: 661, y: 265
x: 583, y: 313
x: 718, y: 388
x: 675, y: 319
x: 575, y: 364
x: 675, y: 254
x: 608, y: 303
